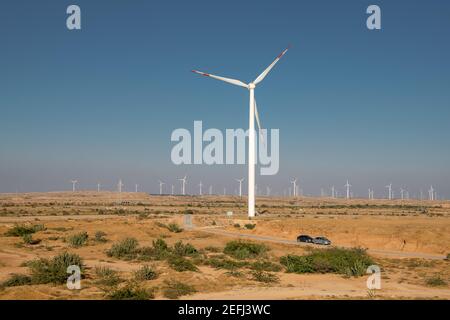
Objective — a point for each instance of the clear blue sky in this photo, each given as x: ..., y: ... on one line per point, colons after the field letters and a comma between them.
x: 100, y: 104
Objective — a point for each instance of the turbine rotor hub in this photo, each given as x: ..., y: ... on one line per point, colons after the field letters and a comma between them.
x: 251, y: 85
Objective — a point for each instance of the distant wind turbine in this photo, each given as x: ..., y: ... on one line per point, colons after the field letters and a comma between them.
x: 74, y: 182
x: 200, y: 185
x: 119, y: 186
x: 389, y: 186
x: 294, y: 188
x: 160, y: 187
x: 431, y: 193
x: 348, y: 185
x: 240, y: 186
x: 98, y: 187
x: 183, y: 185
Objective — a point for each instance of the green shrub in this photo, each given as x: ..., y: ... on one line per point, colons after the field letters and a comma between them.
x: 107, y: 276
x: 265, y: 266
x: 131, y: 291
x: 435, y: 281
x: 250, y: 226
x: 145, y: 273
x: 262, y: 276
x: 54, y: 270
x: 126, y: 249
x: 348, y: 262
x: 159, y: 251
x: 175, y: 289
x: 28, y: 239
x: 21, y: 230
x: 184, y: 249
x: 181, y: 264
x: 173, y: 227
x: 78, y: 240
x: 237, y: 225
x: 16, y: 280
x: 244, y: 250
x: 100, y: 236
x: 225, y: 263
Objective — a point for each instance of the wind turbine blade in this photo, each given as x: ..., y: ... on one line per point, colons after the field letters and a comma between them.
x: 266, y: 72
x: 228, y: 80
x: 259, y: 123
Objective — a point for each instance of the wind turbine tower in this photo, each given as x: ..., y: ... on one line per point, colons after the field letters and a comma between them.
x: 160, y: 187
x: 183, y: 185
x: 294, y: 188
x: 240, y: 186
x: 74, y: 183
x: 348, y: 185
x: 119, y: 186
x: 200, y: 186
x: 389, y: 186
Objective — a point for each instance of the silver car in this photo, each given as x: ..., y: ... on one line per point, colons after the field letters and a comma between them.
x: 321, y: 240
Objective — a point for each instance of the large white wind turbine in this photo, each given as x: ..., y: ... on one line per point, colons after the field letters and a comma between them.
x: 240, y: 186
x: 253, y: 112
x: 183, y: 185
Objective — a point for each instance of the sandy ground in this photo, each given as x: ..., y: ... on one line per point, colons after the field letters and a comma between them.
x: 408, y: 239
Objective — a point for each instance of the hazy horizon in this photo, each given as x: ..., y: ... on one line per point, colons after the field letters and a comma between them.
x: 99, y: 104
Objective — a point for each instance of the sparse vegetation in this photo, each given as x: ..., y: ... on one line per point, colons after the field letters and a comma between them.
x: 173, y: 227
x: 78, y: 240
x: 145, y: 273
x: 348, y: 262
x: 225, y: 263
x: 28, y: 239
x: 181, y: 264
x: 263, y: 276
x: 435, y: 281
x: 250, y: 226
x: 107, y: 277
x: 21, y: 230
x: 175, y: 289
x: 100, y: 236
x: 126, y: 249
x: 212, y: 249
x: 265, y: 265
x: 182, y: 250
x: 244, y: 250
x: 16, y: 280
x: 237, y: 225
x: 53, y: 270
x: 131, y: 291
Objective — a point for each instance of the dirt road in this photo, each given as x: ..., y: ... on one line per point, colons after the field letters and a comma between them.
x: 386, y: 253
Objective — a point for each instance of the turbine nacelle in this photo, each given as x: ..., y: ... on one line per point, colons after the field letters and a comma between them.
x: 251, y: 85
